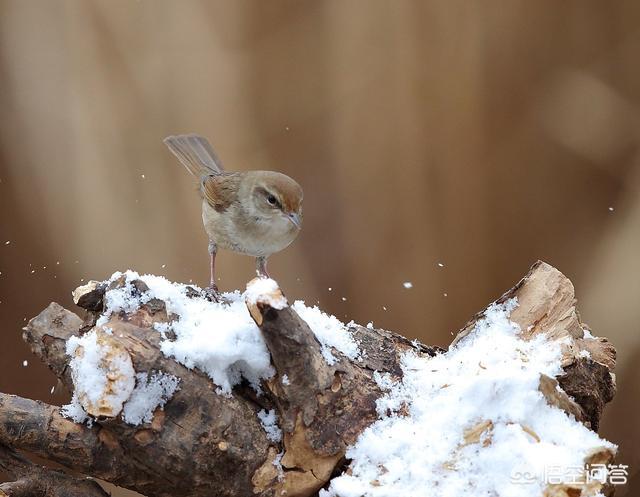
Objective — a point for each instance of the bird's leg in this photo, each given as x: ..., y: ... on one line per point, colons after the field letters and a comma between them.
x: 261, y: 267
x: 212, y: 290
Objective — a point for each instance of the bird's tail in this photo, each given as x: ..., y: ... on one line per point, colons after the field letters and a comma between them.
x: 195, y: 153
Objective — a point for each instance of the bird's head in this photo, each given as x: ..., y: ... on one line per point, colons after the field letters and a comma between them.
x: 277, y: 196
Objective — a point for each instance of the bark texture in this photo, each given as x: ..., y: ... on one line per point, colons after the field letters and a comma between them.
x: 34, y: 480
x: 204, y: 444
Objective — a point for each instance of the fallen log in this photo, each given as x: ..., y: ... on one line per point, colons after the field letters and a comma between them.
x: 155, y: 421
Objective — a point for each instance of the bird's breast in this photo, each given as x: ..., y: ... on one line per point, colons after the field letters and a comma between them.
x: 251, y: 235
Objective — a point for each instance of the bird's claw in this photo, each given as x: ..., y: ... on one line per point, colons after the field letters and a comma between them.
x: 212, y: 293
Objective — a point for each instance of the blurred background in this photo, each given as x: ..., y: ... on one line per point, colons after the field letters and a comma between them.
x: 449, y: 144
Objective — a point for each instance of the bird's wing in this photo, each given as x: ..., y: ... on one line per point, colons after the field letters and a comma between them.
x: 195, y: 153
x: 220, y: 191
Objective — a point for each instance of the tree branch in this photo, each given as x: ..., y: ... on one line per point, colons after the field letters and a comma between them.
x: 33, y: 480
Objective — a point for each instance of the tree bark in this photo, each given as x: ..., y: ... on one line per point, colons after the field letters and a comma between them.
x: 203, y: 443
x: 32, y: 480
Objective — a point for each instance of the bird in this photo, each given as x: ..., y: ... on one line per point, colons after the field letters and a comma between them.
x: 256, y: 213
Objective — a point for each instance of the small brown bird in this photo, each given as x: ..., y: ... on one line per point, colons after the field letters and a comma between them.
x: 256, y: 213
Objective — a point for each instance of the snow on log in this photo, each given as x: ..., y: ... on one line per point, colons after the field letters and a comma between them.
x: 102, y: 373
x: 473, y: 420
x: 177, y: 395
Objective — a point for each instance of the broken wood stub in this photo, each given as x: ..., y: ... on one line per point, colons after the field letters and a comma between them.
x: 323, y: 407
x: 547, y: 305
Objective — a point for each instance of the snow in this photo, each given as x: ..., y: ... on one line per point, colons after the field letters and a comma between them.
x: 277, y: 462
x: 269, y: 422
x: 106, y: 383
x: 261, y: 287
x: 584, y: 354
x: 425, y: 438
x: 75, y: 412
x: 329, y: 331
x: 150, y: 393
x: 220, y: 339
x: 102, y: 379
x: 285, y: 380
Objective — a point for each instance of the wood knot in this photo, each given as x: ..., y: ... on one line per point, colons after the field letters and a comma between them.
x: 336, y: 384
x: 144, y: 437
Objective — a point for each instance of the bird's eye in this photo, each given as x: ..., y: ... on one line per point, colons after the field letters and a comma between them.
x: 272, y: 199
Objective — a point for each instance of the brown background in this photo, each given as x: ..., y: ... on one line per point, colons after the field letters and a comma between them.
x: 481, y: 135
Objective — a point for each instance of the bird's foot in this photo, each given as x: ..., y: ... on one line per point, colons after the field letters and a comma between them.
x: 212, y: 294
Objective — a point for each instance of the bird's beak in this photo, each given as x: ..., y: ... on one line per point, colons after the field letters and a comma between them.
x: 294, y: 217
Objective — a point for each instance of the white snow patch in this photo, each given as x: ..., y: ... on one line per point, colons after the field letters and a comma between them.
x: 150, y: 393
x: 269, y: 421
x: 265, y: 287
x: 89, y: 370
x: 585, y: 354
x: 93, y: 364
x: 218, y: 338
x: 221, y: 339
x: 74, y: 411
x: 285, y: 380
x: 418, y: 443
x: 277, y: 462
x: 329, y: 331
